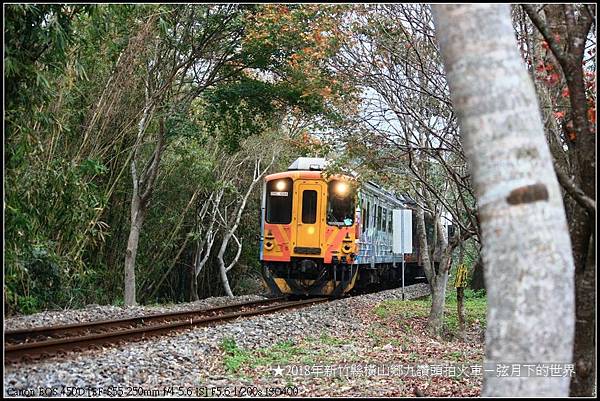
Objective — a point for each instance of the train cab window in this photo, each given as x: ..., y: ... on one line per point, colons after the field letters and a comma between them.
x: 279, y: 201
x: 309, y: 207
x: 340, y: 203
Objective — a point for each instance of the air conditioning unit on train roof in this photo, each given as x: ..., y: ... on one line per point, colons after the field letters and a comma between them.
x: 309, y: 163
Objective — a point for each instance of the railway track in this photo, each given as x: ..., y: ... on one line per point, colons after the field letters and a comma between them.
x: 41, y: 342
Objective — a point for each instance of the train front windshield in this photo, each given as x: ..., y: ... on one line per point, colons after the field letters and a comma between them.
x: 279, y: 201
x: 340, y: 204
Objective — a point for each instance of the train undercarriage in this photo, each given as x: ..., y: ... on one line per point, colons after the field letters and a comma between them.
x: 312, y: 277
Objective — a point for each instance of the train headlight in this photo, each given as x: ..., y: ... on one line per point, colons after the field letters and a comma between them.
x: 342, y: 188
x: 280, y: 185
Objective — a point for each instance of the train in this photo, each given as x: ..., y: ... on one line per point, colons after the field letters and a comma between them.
x: 331, y: 235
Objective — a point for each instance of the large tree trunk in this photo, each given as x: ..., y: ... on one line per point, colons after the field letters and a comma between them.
x: 566, y: 36
x: 438, y: 300
x: 477, y: 278
x: 436, y: 272
x: 584, y: 351
x: 526, y: 246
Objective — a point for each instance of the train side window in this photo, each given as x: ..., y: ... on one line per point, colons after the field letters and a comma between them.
x: 374, y: 216
x: 363, y: 213
x: 379, y: 217
x: 390, y: 220
x: 384, y: 222
x: 309, y: 207
x: 279, y: 201
x: 366, y: 218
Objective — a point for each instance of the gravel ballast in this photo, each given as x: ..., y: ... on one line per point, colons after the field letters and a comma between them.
x: 187, y: 359
x: 104, y: 312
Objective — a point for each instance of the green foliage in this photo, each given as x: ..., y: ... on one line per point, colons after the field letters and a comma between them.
x: 72, y: 114
x: 49, y: 213
x: 37, y: 37
x: 28, y: 304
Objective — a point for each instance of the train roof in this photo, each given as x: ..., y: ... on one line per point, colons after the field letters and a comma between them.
x: 371, y: 186
x: 312, y: 167
x: 309, y: 164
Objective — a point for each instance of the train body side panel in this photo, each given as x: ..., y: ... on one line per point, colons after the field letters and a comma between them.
x: 375, y: 238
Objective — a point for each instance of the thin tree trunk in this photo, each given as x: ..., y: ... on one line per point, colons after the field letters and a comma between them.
x: 205, y: 246
x: 460, y: 309
x: 132, y: 246
x: 193, y: 285
x: 230, y: 232
x: 526, y: 246
x: 224, y: 279
x: 436, y: 272
x: 461, y: 275
x: 142, y: 190
x: 423, y: 245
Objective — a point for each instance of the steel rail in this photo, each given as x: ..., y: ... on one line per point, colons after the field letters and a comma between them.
x: 29, y: 350
x: 48, y: 331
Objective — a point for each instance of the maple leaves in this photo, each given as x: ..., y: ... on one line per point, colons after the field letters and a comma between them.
x: 551, y: 76
x: 547, y: 73
x: 590, y: 87
x: 559, y: 114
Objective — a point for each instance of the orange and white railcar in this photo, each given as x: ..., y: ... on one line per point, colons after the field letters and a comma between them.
x: 326, y: 235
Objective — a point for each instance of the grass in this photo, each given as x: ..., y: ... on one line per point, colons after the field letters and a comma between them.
x: 329, y: 340
x: 406, y: 309
x: 237, y: 359
x: 378, y: 333
x: 475, y: 304
x: 280, y: 353
x: 455, y: 356
x: 474, y: 301
x: 234, y: 356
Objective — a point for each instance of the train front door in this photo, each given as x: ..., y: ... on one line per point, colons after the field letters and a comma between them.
x: 308, y: 235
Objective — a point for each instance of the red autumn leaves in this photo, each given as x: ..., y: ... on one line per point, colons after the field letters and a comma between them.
x: 549, y: 74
